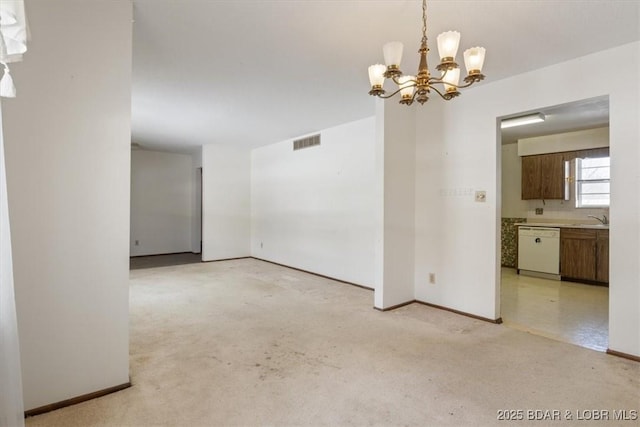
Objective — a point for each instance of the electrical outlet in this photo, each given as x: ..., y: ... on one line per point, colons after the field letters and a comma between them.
x: 539, y: 211
x: 432, y: 278
x: 481, y: 196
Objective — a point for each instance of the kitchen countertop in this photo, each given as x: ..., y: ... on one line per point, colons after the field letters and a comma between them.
x: 563, y: 225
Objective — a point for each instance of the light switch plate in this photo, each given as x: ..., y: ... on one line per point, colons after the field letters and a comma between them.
x: 481, y: 196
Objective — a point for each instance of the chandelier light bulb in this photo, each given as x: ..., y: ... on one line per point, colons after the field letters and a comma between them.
x: 392, y: 54
x: 376, y: 75
x: 474, y: 59
x: 451, y: 79
x: 407, y: 86
x: 448, y: 43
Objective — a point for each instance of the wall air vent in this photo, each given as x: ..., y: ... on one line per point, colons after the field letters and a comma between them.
x: 309, y: 141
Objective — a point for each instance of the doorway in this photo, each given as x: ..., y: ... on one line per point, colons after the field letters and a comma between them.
x: 576, y: 308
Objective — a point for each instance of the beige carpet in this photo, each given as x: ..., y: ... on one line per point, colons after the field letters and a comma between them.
x: 249, y: 343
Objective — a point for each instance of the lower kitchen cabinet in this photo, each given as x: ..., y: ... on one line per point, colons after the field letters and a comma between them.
x: 584, y: 254
x: 578, y: 253
x: 602, y: 252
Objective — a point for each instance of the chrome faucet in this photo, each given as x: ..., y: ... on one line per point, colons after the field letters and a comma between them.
x: 604, y: 220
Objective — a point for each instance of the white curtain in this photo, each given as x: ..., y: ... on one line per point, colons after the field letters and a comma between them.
x: 13, y: 44
x: 13, y: 41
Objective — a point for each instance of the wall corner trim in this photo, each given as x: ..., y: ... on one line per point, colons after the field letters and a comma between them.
x: 315, y: 274
x: 623, y: 355
x: 462, y: 313
x: 440, y: 307
x: 75, y: 400
x: 393, y: 307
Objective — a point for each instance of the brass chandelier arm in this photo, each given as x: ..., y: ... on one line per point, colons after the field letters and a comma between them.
x: 395, y: 80
x: 430, y: 84
x: 389, y: 96
x: 446, y: 98
x: 435, y: 80
x: 463, y: 86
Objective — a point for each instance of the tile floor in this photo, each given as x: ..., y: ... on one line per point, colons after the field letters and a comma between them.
x: 571, y: 312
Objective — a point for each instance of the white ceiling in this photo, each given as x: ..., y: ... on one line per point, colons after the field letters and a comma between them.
x: 252, y: 73
x: 578, y: 115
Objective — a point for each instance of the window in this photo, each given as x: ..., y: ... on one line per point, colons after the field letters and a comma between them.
x: 592, y: 182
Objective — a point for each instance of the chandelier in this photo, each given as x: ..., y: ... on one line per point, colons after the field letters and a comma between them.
x: 419, y: 87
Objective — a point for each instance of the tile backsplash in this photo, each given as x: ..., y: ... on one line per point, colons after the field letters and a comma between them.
x: 509, y: 239
x: 561, y: 209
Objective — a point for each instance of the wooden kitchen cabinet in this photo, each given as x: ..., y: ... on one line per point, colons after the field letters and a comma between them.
x: 602, y: 254
x: 552, y: 176
x: 578, y: 254
x: 543, y: 176
x: 584, y: 254
x: 531, y: 182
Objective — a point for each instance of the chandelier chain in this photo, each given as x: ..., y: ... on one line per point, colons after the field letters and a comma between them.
x: 424, y: 21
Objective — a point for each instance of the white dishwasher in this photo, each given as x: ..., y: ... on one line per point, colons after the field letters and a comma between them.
x: 539, y: 251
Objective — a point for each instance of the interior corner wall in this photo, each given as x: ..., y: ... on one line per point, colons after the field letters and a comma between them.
x: 162, y: 208
x: 67, y: 137
x: 397, y: 169
x: 512, y: 204
x: 455, y: 236
x: 463, y: 159
x: 226, y: 202
x: 11, y: 400
x: 313, y: 208
x: 196, y: 223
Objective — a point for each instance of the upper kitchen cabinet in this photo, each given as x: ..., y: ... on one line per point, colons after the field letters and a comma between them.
x: 531, y: 182
x: 544, y: 159
x: 543, y: 176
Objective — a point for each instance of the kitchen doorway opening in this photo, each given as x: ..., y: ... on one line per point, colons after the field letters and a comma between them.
x: 554, y: 214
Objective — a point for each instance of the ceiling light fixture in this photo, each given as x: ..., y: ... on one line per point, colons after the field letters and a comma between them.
x: 418, y: 87
x: 522, y: 120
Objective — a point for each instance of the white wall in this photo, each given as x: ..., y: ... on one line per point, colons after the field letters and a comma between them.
x: 455, y: 236
x: 67, y: 139
x: 396, y: 164
x: 162, y: 206
x: 313, y: 208
x: 566, y: 141
x: 512, y: 204
x: 196, y: 224
x: 226, y: 228
x: 463, y: 154
x: 11, y: 401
